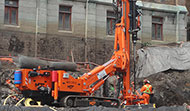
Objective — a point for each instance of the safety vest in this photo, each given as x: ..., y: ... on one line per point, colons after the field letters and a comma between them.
x: 147, y: 89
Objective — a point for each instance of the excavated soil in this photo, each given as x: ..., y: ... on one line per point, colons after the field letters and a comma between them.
x: 171, y: 87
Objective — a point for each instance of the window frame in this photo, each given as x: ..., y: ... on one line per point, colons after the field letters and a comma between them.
x: 156, y: 24
x: 9, y: 8
x: 63, y: 14
x: 111, y: 24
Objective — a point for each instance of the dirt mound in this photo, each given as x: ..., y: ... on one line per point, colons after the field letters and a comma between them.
x: 171, y: 87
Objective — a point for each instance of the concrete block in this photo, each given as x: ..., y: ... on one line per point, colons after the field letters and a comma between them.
x: 53, y: 13
x: 76, y: 9
x: 28, y: 4
x: 146, y: 30
x: 101, y: 19
x: 27, y: 10
x: 169, y: 32
x: 52, y: 2
x: 43, y: 3
x: 61, y: 2
x: 27, y: 16
x: 53, y: 6
x: 101, y: 12
x: 1, y: 19
x: 77, y: 16
x: 101, y: 24
x: 92, y: 17
x: 52, y: 19
x: 101, y: 31
x: 2, y: 2
x: 169, y: 27
x: 2, y: 11
x: 146, y: 35
x: 92, y: 9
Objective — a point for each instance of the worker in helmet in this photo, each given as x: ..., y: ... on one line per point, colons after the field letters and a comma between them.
x: 147, y: 91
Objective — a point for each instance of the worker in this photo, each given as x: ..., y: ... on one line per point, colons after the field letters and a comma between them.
x: 147, y: 91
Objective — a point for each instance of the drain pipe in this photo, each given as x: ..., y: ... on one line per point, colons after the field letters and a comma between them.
x: 86, y: 32
x: 36, y: 32
x: 177, y: 22
x: 177, y: 26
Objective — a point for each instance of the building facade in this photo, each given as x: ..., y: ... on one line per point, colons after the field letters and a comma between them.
x: 55, y: 28
x: 85, y: 28
x: 163, y: 21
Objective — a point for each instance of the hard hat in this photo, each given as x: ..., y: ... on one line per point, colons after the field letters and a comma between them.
x: 146, y: 81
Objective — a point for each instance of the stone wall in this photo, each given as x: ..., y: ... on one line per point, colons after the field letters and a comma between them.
x: 14, y: 43
x: 54, y: 46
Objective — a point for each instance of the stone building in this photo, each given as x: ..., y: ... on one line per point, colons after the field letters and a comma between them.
x: 163, y: 21
x: 57, y: 28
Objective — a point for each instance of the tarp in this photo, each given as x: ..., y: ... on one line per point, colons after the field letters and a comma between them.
x: 152, y: 60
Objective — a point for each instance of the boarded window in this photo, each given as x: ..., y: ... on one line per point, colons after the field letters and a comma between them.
x: 157, y: 28
x: 65, y: 17
x: 111, y: 19
x: 11, y: 12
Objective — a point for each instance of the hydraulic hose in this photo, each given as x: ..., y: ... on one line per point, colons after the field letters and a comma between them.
x: 19, y: 102
x: 7, y: 98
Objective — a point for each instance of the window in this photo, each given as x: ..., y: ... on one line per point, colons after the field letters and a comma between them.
x: 111, y: 19
x: 65, y: 18
x: 157, y: 28
x: 11, y: 12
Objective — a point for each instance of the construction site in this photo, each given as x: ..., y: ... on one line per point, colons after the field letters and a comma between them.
x: 94, y: 55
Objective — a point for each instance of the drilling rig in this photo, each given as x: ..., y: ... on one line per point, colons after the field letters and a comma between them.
x: 59, y: 87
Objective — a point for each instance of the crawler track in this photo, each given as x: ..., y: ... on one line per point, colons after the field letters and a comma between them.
x: 85, y: 101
